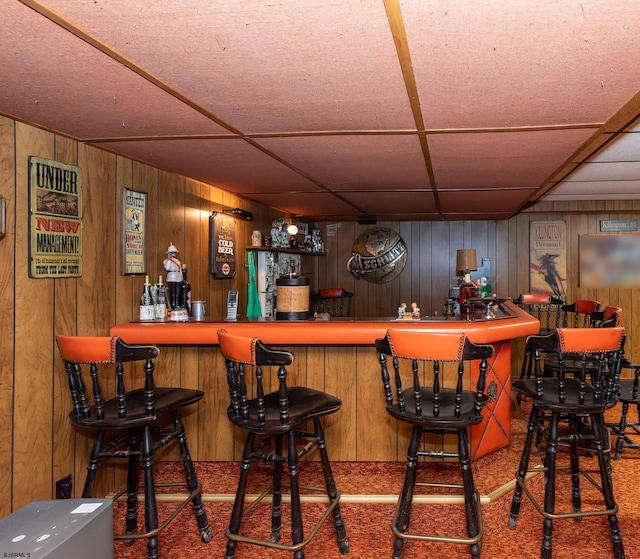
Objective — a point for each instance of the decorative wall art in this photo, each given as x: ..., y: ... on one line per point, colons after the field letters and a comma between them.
x: 609, y: 261
x: 378, y: 255
x: 222, y: 246
x: 55, y: 225
x: 134, y: 219
x: 548, y: 258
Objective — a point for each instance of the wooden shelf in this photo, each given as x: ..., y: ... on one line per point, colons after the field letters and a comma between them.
x: 285, y: 250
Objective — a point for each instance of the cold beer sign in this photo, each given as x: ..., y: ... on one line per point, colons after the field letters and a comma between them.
x: 55, y: 231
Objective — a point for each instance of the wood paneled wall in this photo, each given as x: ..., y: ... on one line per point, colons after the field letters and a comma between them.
x: 37, y: 443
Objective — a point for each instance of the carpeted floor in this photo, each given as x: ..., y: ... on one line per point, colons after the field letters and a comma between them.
x: 368, y: 523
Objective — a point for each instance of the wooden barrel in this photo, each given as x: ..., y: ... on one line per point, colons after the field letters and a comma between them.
x: 292, y: 298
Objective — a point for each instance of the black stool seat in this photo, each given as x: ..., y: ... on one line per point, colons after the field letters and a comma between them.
x: 142, y: 420
x: 442, y: 406
x: 281, y: 426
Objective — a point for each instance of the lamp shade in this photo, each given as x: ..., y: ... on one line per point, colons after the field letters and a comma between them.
x: 466, y: 260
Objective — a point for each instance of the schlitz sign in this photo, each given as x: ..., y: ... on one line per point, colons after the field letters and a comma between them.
x: 55, y: 229
x: 222, y: 246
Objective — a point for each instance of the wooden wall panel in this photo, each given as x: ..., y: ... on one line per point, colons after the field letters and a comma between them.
x: 7, y: 317
x: 39, y: 446
x: 34, y: 305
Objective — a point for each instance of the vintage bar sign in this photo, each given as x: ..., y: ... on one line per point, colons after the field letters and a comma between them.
x: 222, y: 246
x: 55, y: 228
x: 134, y: 219
x: 548, y: 257
x: 618, y: 225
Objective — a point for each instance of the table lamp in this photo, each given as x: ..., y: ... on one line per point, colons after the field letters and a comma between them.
x: 466, y: 262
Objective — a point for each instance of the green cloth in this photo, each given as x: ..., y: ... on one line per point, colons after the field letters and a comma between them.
x: 253, y: 300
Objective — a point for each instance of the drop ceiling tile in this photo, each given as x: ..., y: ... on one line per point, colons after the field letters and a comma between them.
x: 491, y: 64
x: 500, y: 159
x: 393, y: 203
x: 622, y: 170
x: 58, y: 81
x: 228, y: 164
x: 361, y: 162
x: 264, y: 66
x: 468, y: 202
x: 311, y: 205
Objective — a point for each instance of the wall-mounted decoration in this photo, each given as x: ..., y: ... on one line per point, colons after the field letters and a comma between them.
x: 55, y: 225
x: 548, y: 257
x: 222, y: 246
x: 618, y: 225
x: 378, y: 255
x: 609, y: 261
x: 134, y: 219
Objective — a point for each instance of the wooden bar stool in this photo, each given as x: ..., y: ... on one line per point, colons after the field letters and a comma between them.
x: 629, y: 396
x: 333, y: 300
x: 581, y: 397
x: 134, y: 422
x: 274, y: 424
x: 440, y: 406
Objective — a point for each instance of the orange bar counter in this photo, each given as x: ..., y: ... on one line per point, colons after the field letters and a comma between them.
x: 338, y: 356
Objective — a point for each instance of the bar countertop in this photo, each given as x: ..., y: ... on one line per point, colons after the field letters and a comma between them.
x: 510, y: 322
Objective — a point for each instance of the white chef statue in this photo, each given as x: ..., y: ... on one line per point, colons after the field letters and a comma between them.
x: 173, y: 267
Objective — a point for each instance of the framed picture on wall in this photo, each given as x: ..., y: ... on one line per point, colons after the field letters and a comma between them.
x: 609, y: 261
x: 548, y: 258
x: 134, y: 218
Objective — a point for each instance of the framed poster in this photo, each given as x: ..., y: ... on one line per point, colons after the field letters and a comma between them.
x: 134, y: 219
x: 222, y: 246
x: 548, y: 258
x: 55, y: 224
x: 610, y: 261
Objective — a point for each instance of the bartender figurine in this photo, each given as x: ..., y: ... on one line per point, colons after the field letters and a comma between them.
x: 174, y: 275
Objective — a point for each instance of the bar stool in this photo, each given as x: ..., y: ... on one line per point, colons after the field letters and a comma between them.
x: 583, y: 396
x: 333, y: 300
x: 629, y: 395
x: 135, y: 418
x: 545, y: 307
x: 274, y: 426
x: 435, y: 408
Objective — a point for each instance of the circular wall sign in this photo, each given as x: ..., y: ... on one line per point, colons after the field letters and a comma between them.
x: 378, y: 255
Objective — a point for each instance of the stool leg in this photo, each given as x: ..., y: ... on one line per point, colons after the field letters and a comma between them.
x: 550, y: 486
x: 470, y: 502
x: 150, y: 508
x: 238, y: 504
x: 191, y: 479
x: 297, y: 532
x: 276, y: 506
x: 521, y: 474
x: 92, y: 467
x: 131, y: 521
x: 576, y: 497
x: 332, y: 492
x: 604, y: 463
x: 406, y: 497
x: 622, y: 426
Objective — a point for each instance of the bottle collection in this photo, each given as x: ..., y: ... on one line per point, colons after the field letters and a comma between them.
x: 170, y: 300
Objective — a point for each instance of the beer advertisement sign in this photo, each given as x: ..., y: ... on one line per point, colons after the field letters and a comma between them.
x: 55, y: 228
x: 222, y: 246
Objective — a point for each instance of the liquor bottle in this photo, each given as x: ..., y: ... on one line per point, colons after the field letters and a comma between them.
x: 161, y: 300
x: 185, y: 291
x: 147, y: 311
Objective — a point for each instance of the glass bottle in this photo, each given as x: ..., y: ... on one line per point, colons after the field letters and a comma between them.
x: 147, y: 311
x: 185, y: 291
x: 161, y: 299
x: 467, y: 291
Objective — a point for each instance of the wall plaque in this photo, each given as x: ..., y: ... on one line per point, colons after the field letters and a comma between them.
x: 222, y: 246
x: 548, y: 257
x: 134, y: 219
x: 55, y: 225
x: 378, y: 255
x: 617, y: 225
